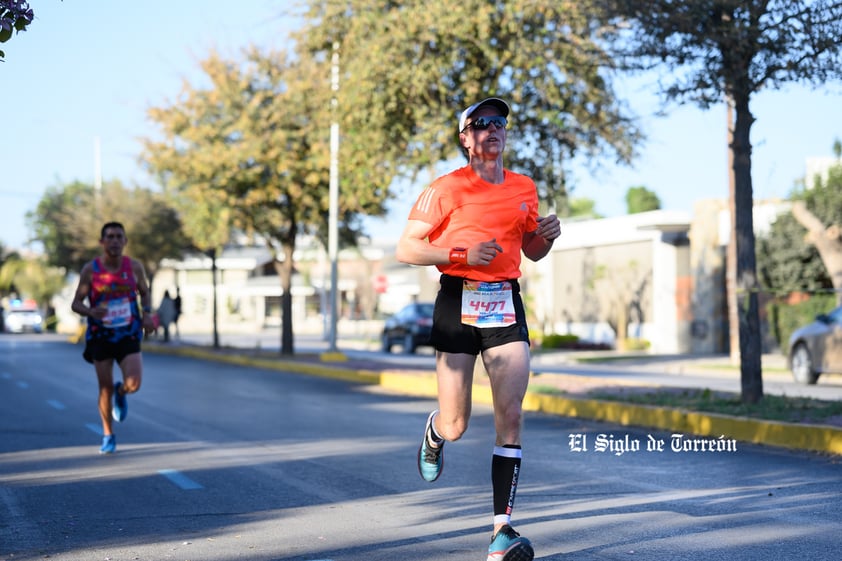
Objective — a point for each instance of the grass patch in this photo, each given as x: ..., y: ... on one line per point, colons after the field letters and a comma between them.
x: 771, y: 407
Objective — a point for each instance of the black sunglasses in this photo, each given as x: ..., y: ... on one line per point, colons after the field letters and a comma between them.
x: 483, y: 123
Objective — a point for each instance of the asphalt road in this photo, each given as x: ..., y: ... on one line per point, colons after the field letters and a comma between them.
x: 218, y: 462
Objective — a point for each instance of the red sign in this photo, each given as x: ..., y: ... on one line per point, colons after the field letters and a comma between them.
x: 381, y: 284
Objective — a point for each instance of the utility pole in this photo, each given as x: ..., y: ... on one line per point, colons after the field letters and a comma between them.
x: 97, y: 178
x: 97, y: 165
x: 333, y: 211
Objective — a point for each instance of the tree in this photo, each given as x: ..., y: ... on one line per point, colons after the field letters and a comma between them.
x: 15, y: 16
x: 787, y: 263
x: 622, y: 291
x: 819, y: 211
x: 33, y: 278
x: 255, y: 143
x: 641, y: 199
x: 581, y: 207
x: 409, y: 67
x: 208, y: 224
x: 68, y: 219
x: 712, y: 51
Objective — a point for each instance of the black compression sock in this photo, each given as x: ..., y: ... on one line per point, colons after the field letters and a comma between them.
x: 505, y: 470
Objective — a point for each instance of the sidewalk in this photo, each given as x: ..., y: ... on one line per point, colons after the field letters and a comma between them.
x: 568, y: 397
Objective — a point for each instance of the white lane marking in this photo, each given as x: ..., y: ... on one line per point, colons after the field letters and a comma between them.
x: 180, y: 479
x: 96, y: 429
x: 55, y: 404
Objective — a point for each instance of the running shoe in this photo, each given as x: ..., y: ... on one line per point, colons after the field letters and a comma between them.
x: 430, y: 459
x: 109, y: 444
x: 508, y: 545
x: 121, y: 405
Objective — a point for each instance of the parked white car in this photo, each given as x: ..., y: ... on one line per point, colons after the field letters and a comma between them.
x: 19, y: 320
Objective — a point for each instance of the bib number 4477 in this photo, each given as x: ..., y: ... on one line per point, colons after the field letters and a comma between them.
x: 487, y: 304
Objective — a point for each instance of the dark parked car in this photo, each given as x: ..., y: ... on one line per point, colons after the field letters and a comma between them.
x: 410, y: 327
x: 816, y: 348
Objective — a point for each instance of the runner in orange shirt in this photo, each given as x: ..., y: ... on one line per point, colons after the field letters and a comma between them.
x: 473, y: 224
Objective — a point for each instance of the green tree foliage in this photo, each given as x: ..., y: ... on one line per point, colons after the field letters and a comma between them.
x: 6, y: 255
x: 710, y: 51
x: 641, y: 199
x: 409, y: 68
x: 581, y: 207
x: 257, y: 138
x: 251, y: 151
x: 818, y: 209
x: 15, y: 16
x: 787, y: 263
x: 32, y: 278
x: 68, y: 220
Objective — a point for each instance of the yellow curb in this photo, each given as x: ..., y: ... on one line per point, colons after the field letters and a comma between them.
x: 335, y: 356
x: 816, y: 438
x: 325, y: 371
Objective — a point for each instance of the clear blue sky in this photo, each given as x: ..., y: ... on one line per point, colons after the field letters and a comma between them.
x: 87, y: 70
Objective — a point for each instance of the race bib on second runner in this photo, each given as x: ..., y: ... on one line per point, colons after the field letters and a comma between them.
x: 487, y: 304
x: 119, y: 313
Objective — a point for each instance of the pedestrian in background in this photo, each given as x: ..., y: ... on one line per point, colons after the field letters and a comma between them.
x: 166, y: 314
x: 473, y: 224
x: 107, y: 294
x: 177, y: 302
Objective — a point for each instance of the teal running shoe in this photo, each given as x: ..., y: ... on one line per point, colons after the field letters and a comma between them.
x: 109, y: 444
x: 430, y: 459
x: 121, y: 405
x: 508, y: 545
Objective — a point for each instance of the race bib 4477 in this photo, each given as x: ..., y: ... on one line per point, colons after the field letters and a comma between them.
x: 487, y: 304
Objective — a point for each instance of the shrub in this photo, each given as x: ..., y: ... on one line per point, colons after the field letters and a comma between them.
x: 557, y: 341
x: 572, y: 343
x: 636, y: 344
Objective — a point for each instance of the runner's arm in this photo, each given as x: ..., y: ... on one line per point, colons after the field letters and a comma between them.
x: 537, y: 244
x: 83, y: 290
x: 145, y: 295
x: 414, y: 248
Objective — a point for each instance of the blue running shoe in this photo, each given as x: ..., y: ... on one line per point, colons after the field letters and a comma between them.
x: 507, y: 545
x: 121, y: 406
x: 430, y: 459
x: 109, y: 444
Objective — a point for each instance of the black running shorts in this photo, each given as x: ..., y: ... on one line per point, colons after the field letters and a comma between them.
x: 103, y: 349
x: 450, y: 335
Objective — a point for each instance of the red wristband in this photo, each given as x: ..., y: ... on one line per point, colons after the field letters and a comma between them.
x: 459, y: 255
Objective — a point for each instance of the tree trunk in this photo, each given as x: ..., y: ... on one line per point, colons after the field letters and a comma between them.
x: 827, y: 242
x: 747, y: 287
x: 212, y: 255
x: 622, y: 328
x: 284, y: 270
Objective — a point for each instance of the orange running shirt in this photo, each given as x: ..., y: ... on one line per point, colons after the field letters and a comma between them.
x: 464, y: 210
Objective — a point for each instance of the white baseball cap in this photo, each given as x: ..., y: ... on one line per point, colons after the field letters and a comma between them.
x: 496, y: 102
